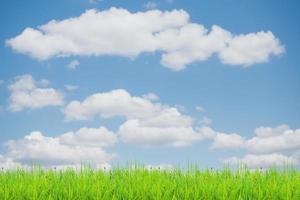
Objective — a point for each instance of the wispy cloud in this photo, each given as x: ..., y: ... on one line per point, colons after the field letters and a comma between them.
x: 200, y: 109
x: 73, y: 64
x: 71, y: 87
x: 151, y: 96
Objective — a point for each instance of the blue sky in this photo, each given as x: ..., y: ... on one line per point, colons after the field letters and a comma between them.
x: 237, y: 91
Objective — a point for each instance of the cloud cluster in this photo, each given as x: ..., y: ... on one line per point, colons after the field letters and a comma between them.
x: 69, y: 149
x: 25, y: 93
x: 269, y: 146
x: 118, y: 32
x: 147, y: 123
x: 277, y: 139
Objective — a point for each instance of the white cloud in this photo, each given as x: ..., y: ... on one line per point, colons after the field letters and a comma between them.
x: 133, y: 131
x: 110, y: 32
x: 262, y: 161
x: 82, y: 146
x: 71, y: 87
x: 266, y: 140
x: 207, y: 132
x: 227, y: 141
x: 93, y: 137
x: 191, y: 43
x: 269, y: 131
x: 73, y: 64
x: 150, y: 5
x: 270, y: 146
x: 151, y: 96
x: 26, y: 94
x: 147, y: 123
x: 251, y: 49
x: 278, y: 139
x: 120, y: 103
x: 221, y: 140
x: 107, y: 32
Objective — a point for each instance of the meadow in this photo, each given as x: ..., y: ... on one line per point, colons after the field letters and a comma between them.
x: 140, y: 183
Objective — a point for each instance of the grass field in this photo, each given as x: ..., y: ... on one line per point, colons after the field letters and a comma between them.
x: 150, y: 184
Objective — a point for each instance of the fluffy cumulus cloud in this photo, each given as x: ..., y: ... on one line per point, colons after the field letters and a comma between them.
x: 146, y: 122
x: 251, y: 49
x: 93, y: 137
x: 227, y: 141
x: 121, y: 103
x: 171, y: 33
x: 69, y: 149
x: 277, y: 139
x: 270, y: 146
x: 26, y: 93
x: 133, y: 131
x: 221, y: 140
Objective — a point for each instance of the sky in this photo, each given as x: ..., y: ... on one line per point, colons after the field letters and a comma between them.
x: 163, y: 83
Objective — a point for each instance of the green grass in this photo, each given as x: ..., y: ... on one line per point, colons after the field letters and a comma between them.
x: 144, y: 184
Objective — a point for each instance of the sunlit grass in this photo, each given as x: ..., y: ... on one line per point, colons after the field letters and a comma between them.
x: 139, y: 183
